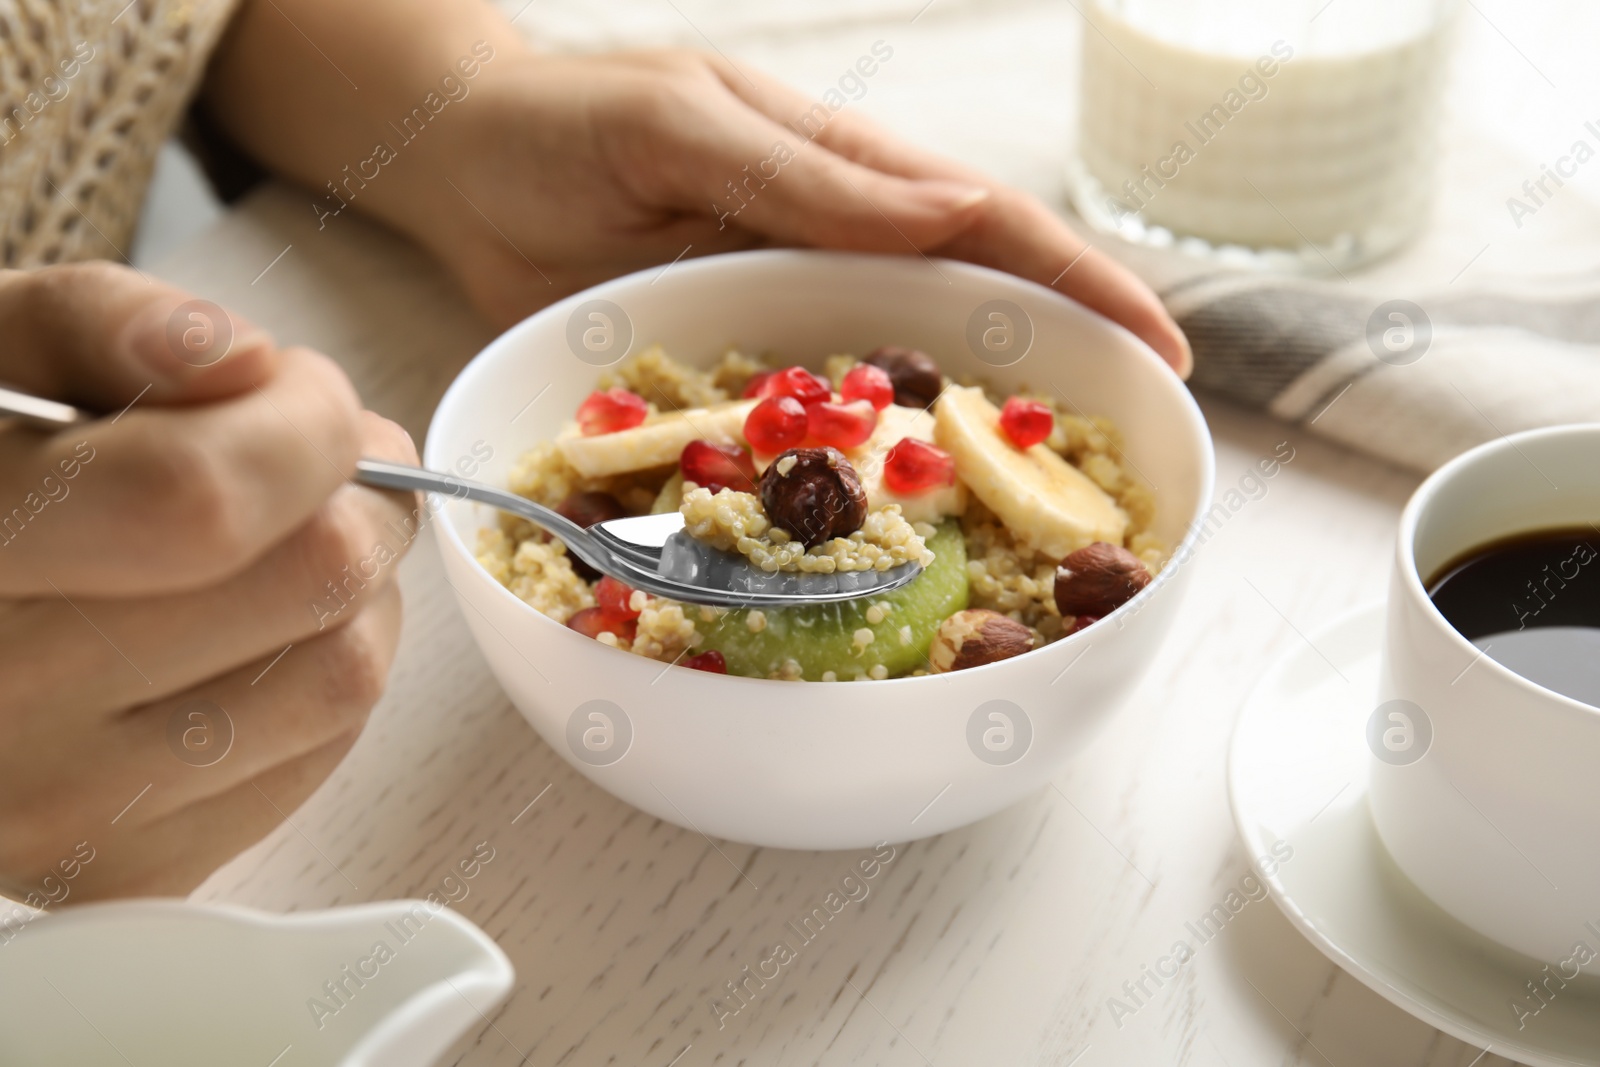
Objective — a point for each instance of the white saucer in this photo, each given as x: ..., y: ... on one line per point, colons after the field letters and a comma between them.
x: 1298, y: 774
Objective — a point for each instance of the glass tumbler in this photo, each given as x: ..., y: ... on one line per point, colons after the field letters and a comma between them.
x: 1297, y: 134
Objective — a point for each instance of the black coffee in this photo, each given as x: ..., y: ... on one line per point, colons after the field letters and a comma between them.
x: 1531, y: 602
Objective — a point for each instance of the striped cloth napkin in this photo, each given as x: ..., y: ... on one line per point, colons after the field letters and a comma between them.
x: 1412, y: 382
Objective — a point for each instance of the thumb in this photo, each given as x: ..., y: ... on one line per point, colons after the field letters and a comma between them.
x: 799, y: 192
x: 100, y: 335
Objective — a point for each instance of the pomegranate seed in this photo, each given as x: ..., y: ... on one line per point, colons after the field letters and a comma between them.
x: 798, y: 383
x: 757, y: 381
x: 777, y: 423
x: 610, y: 411
x: 712, y: 662
x: 615, y: 597
x: 866, y: 382
x: 1026, y: 422
x: 842, y: 426
x: 914, y: 466
x: 718, y: 466
x: 592, y: 622
x: 1082, y: 622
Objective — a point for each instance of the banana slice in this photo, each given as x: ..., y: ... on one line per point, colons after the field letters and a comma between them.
x: 1047, y: 503
x: 655, y: 443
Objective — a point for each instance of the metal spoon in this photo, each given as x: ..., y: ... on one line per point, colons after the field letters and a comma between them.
x: 648, y: 552
x: 39, y: 412
x: 652, y: 552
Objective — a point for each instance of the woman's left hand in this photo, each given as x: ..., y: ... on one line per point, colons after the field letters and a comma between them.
x: 534, y: 176
x: 574, y: 170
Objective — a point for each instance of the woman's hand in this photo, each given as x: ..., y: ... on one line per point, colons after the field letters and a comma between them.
x: 192, y: 630
x: 569, y: 171
x: 539, y: 175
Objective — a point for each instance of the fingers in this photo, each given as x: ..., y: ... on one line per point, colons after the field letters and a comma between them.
x: 763, y: 177
x: 844, y: 132
x: 174, y: 855
x: 87, y: 655
x: 1123, y: 297
x: 165, y: 499
x: 1010, y: 231
x: 1017, y: 234
x: 257, y: 717
x: 99, y: 335
x: 160, y: 759
x: 833, y: 203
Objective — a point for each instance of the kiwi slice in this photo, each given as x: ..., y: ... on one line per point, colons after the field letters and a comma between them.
x: 822, y: 637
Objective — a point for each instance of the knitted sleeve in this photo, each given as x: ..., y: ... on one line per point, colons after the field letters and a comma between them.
x: 89, y: 90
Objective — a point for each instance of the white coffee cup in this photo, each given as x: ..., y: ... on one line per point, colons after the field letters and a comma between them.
x: 1485, y: 785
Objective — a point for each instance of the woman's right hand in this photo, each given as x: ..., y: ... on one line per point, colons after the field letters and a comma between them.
x: 197, y: 609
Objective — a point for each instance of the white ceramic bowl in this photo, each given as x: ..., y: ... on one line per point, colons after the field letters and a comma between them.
x: 809, y: 764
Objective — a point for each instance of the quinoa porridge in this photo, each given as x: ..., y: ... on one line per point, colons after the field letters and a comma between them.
x: 1028, y: 523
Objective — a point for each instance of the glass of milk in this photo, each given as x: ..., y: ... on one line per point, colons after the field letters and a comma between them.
x: 1297, y: 134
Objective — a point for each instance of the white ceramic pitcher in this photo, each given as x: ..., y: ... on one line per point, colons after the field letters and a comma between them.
x: 392, y: 983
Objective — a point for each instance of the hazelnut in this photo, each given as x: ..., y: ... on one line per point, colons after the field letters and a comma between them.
x: 1098, y: 579
x: 813, y: 494
x: 586, y: 509
x: 916, y: 378
x: 977, y: 636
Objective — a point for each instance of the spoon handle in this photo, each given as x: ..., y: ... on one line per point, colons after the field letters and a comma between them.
x: 608, y: 554
x: 382, y: 474
x: 48, y: 414
x: 580, y: 542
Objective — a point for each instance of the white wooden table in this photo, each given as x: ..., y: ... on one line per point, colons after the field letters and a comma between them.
x: 1000, y: 943
x: 997, y: 944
